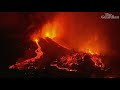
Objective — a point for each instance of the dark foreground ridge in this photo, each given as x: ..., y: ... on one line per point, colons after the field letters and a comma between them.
x: 52, y: 72
x: 79, y: 66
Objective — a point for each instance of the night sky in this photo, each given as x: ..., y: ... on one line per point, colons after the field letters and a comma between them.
x: 14, y: 29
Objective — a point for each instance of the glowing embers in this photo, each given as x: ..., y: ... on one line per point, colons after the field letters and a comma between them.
x: 79, y: 61
x: 95, y: 57
x: 91, y: 52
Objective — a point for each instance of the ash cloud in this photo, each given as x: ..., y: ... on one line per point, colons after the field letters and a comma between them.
x: 88, y: 27
x: 79, y: 27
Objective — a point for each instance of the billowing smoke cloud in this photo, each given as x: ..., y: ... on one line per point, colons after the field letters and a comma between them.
x: 82, y: 30
x: 36, y: 20
x: 89, y: 29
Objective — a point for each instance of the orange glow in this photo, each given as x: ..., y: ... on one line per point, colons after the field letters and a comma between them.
x: 47, y: 34
x: 21, y: 65
x: 36, y: 40
x: 90, y: 51
x: 35, y: 37
x: 63, y: 30
x: 51, y: 30
x: 50, y: 34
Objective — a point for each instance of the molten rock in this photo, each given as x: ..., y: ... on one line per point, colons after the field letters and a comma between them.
x: 47, y: 51
x: 50, y: 54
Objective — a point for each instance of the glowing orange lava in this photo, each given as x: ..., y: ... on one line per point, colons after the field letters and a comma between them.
x: 91, y: 52
x: 51, y: 30
x: 36, y: 40
x: 21, y: 65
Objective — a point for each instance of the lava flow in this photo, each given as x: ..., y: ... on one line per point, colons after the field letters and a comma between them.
x: 74, y: 61
x: 85, y: 58
x: 31, y: 60
x: 38, y: 51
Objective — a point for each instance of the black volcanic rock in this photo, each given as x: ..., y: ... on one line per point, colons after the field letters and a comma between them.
x: 51, y: 51
x: 51, y: 48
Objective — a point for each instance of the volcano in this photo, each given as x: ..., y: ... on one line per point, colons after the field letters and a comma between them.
x: 61, y: 44
x: 56, y: 59
x: 51, y: 50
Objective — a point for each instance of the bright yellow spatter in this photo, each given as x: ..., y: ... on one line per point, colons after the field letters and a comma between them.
x: 47, y: 34
x: 36, y: 40
x: 90, y: 51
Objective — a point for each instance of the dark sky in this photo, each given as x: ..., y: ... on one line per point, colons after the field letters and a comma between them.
x: 14, y: 26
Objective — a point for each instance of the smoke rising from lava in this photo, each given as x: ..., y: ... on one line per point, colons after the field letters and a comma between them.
x: 80, y: 30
